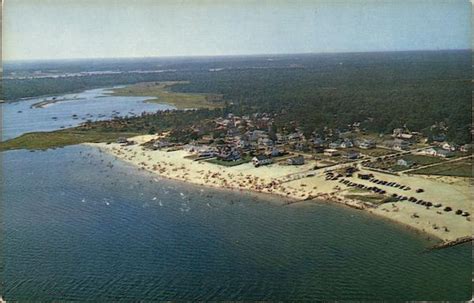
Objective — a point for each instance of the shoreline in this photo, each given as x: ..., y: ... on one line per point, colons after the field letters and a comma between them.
x: 272, y: 180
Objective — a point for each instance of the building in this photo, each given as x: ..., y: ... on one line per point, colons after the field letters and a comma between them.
x: 444, y: 153
x: 260, y: 160
x: 436, y: 152
x: 397, y: 144
x: 276, y: 152
x: 352, y: 155
x: 298, y: 160
x: 401, y: 133
x: 429, y: 151
x: 405, y: 163
x: 234, y: 155
x: 367, y: 144
x: 448, y: 146
x: 346, y: 144
x: 331, y: 152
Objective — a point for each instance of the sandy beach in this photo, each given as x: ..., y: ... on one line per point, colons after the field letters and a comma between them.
x: 294, y: 183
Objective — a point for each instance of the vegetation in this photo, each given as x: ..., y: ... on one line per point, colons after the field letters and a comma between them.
x: 381, y: 91
x: 243, y: 160
x: 183, y: 126
x: 45, y: 140
x: 375, y: 199
x: 460, y: 168
x: 421, y: 160
x: 160, y: 94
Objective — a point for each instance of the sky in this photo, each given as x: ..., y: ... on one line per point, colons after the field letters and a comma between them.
x: 66, y: 29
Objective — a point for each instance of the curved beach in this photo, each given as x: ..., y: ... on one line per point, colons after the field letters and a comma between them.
x: 294, y: 183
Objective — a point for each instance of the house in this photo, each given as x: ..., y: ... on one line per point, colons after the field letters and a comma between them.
x: 260, y: 160
x: 298, y: 160
x: 401, y: 133
x: 367, y: 144
x: 331, y: 152
x: 405, y: 163
x: 276, y: 152
x: 448, y: 146
x: 234, y: 155
x: 346, y: 144
x: 352, y: 155
x: 444, y: 153
x: 397, y: 144
x: 429, y: 151
x: 436, y: 152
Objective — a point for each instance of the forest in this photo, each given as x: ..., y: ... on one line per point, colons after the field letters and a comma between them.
x: 382, y: 91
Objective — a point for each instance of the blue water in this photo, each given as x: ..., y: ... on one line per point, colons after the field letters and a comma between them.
x: 77, y: 228
x: 20, y: 117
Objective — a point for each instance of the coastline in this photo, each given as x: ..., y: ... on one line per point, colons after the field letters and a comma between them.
x: 274, y: 180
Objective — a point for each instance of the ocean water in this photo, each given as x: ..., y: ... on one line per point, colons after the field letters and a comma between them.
x: 21, y: 117
x: 77, y: 225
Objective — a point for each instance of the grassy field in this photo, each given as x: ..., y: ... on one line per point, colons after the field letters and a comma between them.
x: 45, y: 140
x: 422, y: 160
x: 159, y: 93
x: 461, y: 168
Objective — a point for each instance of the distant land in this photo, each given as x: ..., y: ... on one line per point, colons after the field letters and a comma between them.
x: 418, y: 89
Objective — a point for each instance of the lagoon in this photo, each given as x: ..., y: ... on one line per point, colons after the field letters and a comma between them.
x: 96, y: 104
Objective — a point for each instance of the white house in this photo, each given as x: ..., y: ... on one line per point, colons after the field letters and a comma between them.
x: 346, y: 144
x: 448, y: 146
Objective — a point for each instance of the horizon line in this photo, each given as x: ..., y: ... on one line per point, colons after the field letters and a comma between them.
x: 229, y: 55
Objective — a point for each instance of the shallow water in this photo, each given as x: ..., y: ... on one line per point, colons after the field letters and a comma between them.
x: 79, y: 226
x: 21, y: 117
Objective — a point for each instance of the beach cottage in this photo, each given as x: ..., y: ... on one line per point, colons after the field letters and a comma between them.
x: 298, y: 160
x: 260, y: 160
